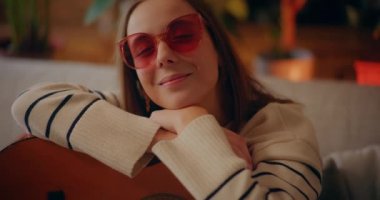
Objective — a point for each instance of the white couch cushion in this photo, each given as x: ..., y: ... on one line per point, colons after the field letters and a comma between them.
x: 352, y: 174
x: 344, y: 114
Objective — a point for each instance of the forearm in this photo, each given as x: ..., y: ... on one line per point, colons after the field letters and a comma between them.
x: 203, y: 161
x: 74, y: 117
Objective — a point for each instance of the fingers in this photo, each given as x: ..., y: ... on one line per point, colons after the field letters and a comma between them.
x: 165, y: 118
x: 239, y: 146
x: 244, y: 155
x: 161, y: 135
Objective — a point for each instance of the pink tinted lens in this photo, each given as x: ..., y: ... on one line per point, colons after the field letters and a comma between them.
x: 183, y: 35
x: 143, y: 49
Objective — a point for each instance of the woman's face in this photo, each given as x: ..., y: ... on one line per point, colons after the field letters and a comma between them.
x: 175, y: 80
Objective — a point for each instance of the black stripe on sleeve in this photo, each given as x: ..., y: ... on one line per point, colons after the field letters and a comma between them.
x: 101, y: 95
x: 293, y: 170
x: 223, y: 184
x: 315, y: 171
x: 271, y: 174
x: 52, y: 117
x: 30, y: 108
x: 76, y: 121
x: 248, y: 191
x: 274, y: 190
x: 262, y: 174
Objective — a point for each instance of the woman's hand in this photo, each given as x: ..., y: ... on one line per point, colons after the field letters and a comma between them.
x: 239, y: 146
x: 176, y: 120
x: 161, y: 135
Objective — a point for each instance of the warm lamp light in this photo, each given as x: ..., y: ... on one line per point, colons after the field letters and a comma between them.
x: 367, y: 73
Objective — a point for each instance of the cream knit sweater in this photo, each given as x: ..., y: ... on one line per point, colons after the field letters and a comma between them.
x: 281, y: 141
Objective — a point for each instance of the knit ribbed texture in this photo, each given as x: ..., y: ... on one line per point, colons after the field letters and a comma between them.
x: 200, y: 154
x: 280, y: 139
x: 94, y: 123
x: 203, y: 161
x: 277, y: 128
x: 115, y: 137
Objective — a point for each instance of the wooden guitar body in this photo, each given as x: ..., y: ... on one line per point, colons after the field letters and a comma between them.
x: 37, y: 169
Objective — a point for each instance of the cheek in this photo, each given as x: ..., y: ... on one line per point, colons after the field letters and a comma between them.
x: 146, y: 78
x: 210, y: 74
x: 208, y: 61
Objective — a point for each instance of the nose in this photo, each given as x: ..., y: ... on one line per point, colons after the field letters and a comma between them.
x: 165, y: 55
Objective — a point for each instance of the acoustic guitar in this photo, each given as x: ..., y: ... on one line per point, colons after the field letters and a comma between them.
x: 38, y: 169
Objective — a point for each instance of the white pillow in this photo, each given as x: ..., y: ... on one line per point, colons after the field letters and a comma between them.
x: 353, y: 174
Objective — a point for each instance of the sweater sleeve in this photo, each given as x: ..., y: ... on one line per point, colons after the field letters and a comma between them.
x: 87, y: 121
x: 282, y: 145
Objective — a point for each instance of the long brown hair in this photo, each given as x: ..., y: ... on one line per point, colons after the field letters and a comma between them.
x: 241, y: 95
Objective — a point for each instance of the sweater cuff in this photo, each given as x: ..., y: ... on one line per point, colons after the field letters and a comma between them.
x: 115, y: 137
x: 200, y: 157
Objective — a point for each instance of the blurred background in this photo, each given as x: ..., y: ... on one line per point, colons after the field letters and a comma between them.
x: 298, y: 40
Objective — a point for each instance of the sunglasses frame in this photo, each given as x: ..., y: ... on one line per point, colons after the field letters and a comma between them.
x: 124, y: 49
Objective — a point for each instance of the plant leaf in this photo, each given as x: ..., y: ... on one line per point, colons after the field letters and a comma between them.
x: 97, y: 8
x: 237, y: 8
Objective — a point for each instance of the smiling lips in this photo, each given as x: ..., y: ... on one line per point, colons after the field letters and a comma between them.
x: 172, y: 79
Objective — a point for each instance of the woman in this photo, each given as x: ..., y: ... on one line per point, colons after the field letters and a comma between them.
x: 184, y: 94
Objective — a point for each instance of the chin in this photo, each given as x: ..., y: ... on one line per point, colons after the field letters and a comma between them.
x: 178, y: 103
x: 176, y: 106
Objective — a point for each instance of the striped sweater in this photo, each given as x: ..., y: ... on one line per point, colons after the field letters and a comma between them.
x: 280, y: 139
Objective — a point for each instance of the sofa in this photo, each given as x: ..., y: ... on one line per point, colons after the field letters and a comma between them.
x: 346, y: 117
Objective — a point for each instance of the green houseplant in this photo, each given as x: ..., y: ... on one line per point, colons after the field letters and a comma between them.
x: 284, y: 60
x: 230, y: 12
x: 97, y: 8
x: 227, y: 11
x: 29, y: 24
